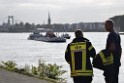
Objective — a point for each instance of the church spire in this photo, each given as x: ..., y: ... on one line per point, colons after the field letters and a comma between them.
x: 49, y: 19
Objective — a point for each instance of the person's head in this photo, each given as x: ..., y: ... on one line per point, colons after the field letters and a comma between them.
x: 109, y: 25
x: 78, y: 33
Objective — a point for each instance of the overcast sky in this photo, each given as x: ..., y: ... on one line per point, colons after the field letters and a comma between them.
x: 61, y: 11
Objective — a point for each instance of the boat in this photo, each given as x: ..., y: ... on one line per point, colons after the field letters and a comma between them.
x: 49, y: 37
x: 35, y: 35
x: 67, y: 36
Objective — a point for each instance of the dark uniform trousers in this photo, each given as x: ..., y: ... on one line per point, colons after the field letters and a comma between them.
x: 82, y: 79
x: 111, y: 76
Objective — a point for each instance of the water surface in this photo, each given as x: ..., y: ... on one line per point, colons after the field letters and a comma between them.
x: 16, y: 47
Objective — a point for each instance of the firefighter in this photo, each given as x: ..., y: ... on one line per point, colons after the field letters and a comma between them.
x: 113, y: 46
x: 113, y: 43
x: 78, y: 55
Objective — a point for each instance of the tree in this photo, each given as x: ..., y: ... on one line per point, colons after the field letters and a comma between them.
x: 119, y: 21
x: 27, y: 26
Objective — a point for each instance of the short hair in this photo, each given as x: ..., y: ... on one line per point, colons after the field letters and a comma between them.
x: 110, y: 21
x: 78, y: 33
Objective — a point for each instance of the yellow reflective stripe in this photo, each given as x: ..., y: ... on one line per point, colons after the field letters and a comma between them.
x: 109, y: 60
x: 82, y: 71
x: 106, y: 61
x: 76, y: 50
x: 90, y: 48
x: 78, y: 47
x: 84, y: 59
x: 82, y: 74
x: 78, y: 43
x: 73, y: 61
x: 103, y: 57
x: 86, y: 74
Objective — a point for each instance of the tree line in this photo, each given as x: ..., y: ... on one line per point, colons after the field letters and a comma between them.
x: 119, y: 22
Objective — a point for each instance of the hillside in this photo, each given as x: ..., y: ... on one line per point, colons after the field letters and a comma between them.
x: 119, y: 22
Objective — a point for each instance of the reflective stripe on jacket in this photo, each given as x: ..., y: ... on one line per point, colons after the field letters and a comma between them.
x: 103, y: 59
x: 106, y: 60
x: 79, y: 47
x: 78, y: 55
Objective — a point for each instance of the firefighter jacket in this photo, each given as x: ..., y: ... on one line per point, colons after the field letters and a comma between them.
x: 78, y: 55
x: 103, y: 60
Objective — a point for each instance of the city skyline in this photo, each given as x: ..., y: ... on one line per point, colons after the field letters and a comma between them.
x: 61, y: 11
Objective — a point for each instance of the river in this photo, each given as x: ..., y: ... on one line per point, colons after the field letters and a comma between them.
x: 16, y: 47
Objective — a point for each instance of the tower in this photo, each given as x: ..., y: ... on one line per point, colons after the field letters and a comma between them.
x: 49, y: 19
x: 11, y: 20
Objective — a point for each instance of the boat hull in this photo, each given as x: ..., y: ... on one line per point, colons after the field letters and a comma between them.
x: 53, y: 39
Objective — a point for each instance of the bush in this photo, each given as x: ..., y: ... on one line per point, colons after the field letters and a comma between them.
x: 34, y: 70
x: 10, y: 65
x: 52, y: 71
x: 43, y: 70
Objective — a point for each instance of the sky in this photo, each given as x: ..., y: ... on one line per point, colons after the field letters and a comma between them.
x: 61, y: 11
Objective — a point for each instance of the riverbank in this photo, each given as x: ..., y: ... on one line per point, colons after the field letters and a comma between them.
x: 12, y: 77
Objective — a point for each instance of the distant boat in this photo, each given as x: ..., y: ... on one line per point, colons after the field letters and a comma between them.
x: 67, y: 36
x: 35, y: 35
x: 49, y: 37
